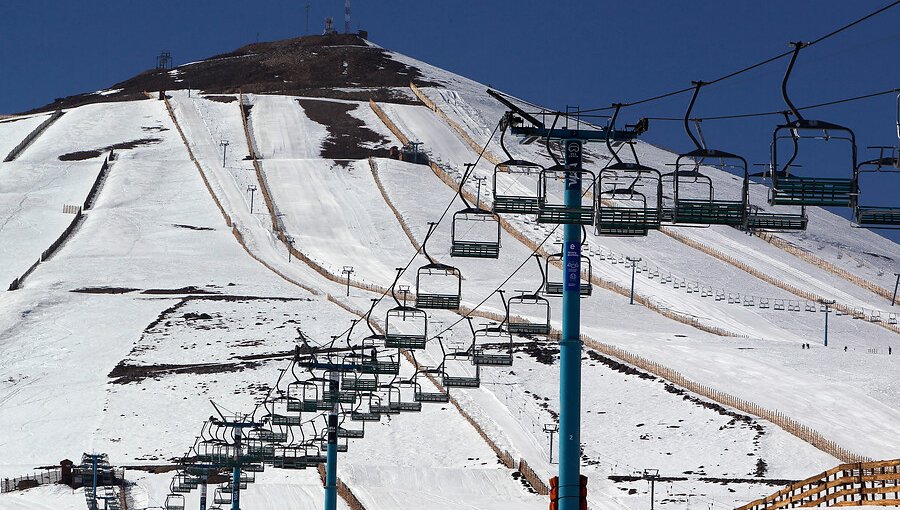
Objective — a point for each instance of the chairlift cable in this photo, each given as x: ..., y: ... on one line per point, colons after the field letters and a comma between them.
x: 753, y: 66
x: 780, y: 112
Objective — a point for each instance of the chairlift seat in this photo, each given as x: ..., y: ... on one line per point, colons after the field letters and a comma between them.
x: 813, y: 191
x: 279, y: 419
x: 341, y: 397
x: 405, y: 406
x: 881, y: 216
x: 431, y: 396
x: 710, y: 212
x: 626, y: 221
x: 351, y: 433
x: 461, y: 382
x: 476, y: 249
x: 271, y: 436
x: 370, y: 416
x: 403, y: 341
x: 359, y: 384
x: 492, y: 359
x: 380, y: 367
x: 302, y: 406
x: 776, y: 221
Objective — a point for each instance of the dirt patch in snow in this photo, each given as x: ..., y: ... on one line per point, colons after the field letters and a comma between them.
x: 221, y: 99
x: 93, y: 153
x: 348, y: 137
x: 191, y: 227
x: 290, y: 67
x: 104, y: 290
x: 125, y: 373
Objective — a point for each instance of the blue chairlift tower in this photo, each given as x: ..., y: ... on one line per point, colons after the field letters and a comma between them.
x: 572, y: 139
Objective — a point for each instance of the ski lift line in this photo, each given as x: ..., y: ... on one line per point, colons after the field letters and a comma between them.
x: 780, y: 112
x: 754, y: 66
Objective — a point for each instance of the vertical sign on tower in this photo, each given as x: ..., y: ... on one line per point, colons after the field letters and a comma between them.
x: 573, y: 250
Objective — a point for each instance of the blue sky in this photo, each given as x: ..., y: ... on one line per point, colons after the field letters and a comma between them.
x: 586, y: 53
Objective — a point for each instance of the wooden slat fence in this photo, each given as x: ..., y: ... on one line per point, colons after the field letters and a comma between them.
x: 875, y: 483
x: 27, y: 481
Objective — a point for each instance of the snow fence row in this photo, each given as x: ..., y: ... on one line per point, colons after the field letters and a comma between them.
x: 806, y: 256
x: 36, y: 132
x: 774, y: 416
x: 343, y: 491
x: 743, y: 266
x: 78, y: 211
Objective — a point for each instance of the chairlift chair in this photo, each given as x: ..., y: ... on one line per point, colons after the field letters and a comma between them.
x: 528, y: 304
x: 396, y: 402
x: 788, y: 189
x: 492, y: 346
x: 553, y: 210
x: 461, y: 381
x: 879, y: 217
x: 459, y: 358
x: 432, y: 394
x: 522, y: 202
x: 438, y: 286
x: 622, y: 210
x: 175, y: 502
x: 372, y: 414
x: 475, y: 233
x: 629, y: 195
x: 405, y: 327
x: 359, y: 383
x: 703, y: 208
x: 221, y: 498
x: 555, y: 287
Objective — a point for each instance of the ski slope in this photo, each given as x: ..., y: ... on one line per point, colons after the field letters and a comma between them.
x: 157, y: 305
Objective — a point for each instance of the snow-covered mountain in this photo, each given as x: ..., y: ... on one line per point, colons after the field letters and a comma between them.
x: 173, y: 286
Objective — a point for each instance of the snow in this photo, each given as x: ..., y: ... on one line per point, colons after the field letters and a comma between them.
x: 32, y: 197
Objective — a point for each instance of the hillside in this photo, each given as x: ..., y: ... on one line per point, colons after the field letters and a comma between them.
x: 175, y: 286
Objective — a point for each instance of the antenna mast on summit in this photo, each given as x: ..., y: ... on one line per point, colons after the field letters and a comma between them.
x: 308, y: 6
x: 346, y: 16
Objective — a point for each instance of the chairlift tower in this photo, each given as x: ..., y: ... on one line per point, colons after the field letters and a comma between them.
x: 164, y: 60
x: 573, y: 218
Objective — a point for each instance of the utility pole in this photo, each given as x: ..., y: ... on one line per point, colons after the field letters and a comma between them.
x: 634, y: 261
x: 551, y: 428
x: 224, y: 145
x: 348, y: 270
x: 346, y: 16
x: 897, y: 284
x: 480, y: 180
x: 570, y: 343
x: 652, y: 475
x: 827, y: 303
x: 290, y: 242
x: 308, y: 6
x: 252, y: 189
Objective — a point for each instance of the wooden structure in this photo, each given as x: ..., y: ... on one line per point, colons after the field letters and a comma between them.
x: 851, y: 484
